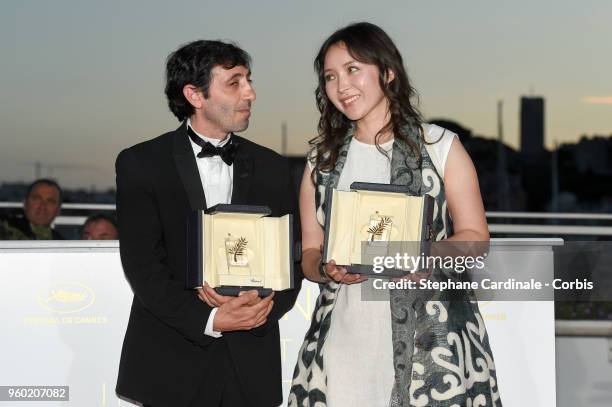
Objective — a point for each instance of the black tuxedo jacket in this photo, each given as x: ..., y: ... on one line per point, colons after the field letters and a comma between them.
x: 166, y: 356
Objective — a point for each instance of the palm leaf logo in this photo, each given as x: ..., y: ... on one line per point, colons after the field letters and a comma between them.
x: 238, y: 248
x: 380, y: 227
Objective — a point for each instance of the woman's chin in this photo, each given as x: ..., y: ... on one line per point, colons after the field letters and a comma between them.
x: 353, y: 116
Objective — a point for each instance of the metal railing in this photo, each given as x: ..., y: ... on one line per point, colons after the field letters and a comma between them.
x: 80, y: 211
x: 583, y: 328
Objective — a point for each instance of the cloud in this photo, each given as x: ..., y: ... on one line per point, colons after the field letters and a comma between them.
x: 597, y: 100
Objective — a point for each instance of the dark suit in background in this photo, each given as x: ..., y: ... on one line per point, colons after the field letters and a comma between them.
x: 18, y: 228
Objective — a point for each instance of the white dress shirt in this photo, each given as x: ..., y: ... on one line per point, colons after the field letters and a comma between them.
x: 217, y: 181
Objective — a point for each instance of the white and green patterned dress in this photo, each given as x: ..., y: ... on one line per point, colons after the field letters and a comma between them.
x: 408, y: 351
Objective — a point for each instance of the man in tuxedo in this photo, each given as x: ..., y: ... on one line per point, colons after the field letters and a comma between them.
x: 181, y: 350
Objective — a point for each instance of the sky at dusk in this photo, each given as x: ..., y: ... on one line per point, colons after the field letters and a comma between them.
x: 82, y: 80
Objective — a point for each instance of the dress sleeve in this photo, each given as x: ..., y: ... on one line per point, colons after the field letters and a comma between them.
x: 311, y: 157
x: 442, y: 140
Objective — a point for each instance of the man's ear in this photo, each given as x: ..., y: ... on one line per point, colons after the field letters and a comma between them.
x: 194, y: 96
x: 389, y: 76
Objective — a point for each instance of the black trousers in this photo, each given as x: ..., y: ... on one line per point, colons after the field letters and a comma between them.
x: 222, y: 387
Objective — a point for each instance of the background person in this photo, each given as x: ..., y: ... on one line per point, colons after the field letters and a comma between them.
x: 100, y: 227
x: 41, y: 205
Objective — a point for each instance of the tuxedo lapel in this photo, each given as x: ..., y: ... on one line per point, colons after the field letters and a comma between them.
x: 188, y: 169
x: 243, y: 171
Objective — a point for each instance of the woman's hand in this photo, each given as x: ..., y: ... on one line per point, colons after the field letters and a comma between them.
x: 340, y: 275
x: 416, y: 277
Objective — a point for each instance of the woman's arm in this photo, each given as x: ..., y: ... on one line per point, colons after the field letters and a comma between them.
x: 312, y: 233
x: 463, y: 196
x: 312, y: 239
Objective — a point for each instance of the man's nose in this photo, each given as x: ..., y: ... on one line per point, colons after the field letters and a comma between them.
x: 250, y: 93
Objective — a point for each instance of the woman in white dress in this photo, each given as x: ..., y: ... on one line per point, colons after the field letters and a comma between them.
x: 406, y: 351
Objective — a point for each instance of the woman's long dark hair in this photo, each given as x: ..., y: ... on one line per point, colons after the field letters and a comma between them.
x: 366, y: 43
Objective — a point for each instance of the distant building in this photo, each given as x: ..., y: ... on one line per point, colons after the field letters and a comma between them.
x: 463, y: 132
x: 594, y: 155
x: 484, y: 152
x: 585, y: 171
x: 532, y: 125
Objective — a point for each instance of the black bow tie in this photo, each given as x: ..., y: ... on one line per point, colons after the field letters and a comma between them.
x: 227, y: 152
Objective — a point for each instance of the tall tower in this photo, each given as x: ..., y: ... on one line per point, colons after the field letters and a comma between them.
x: 532, y: 125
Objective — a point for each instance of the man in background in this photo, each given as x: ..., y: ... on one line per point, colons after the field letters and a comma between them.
x: 41, y: 206
x: 100, y: 227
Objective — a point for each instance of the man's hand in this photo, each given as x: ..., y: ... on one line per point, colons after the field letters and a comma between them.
x: 340, y: 275
x: 247, y: 311
x: 214, y: 299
